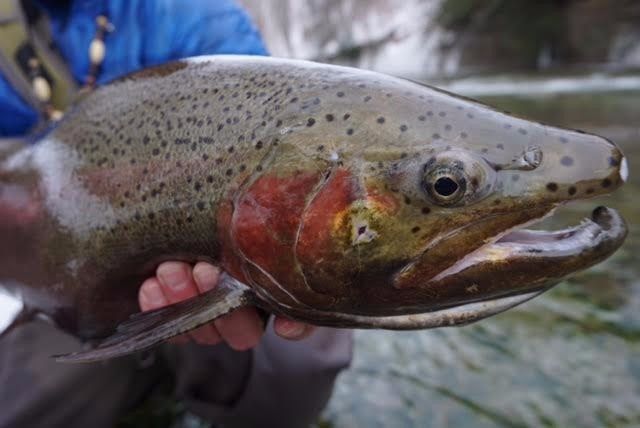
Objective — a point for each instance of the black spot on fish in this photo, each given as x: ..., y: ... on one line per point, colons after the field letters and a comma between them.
x: 311, y: 121
x: 403, y: 128
x: 380, y: 120
x: 350, y: 131
x: 500, y: 146
x: 515, y: 177
x: 294, y: 100
x: 436, y: 136
x: 590, y: 190
x: 552, y: 187
x: 340, y: 94
x: 415, y: 229
x: 346, y: 116
x: 155, y: 151
x: 200, y: 205
x: 425, y: 210
x: 522, y: 131
x: 606, y: 183
x: 572, y: 190
x: 422, y: 118
x: 470, y: 116
x: 566, y: 160
x: 229, y: 172
x: 407, y: 200
x: 367, y: 99
x: 329, y: 117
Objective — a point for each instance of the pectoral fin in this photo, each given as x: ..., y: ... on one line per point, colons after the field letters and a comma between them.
x: 147, y: 329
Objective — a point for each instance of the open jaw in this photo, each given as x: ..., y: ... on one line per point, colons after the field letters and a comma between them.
x: 512, y: 268
x: 594, y: 239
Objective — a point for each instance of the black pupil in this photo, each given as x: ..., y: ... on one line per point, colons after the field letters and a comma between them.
x: 445, y: 186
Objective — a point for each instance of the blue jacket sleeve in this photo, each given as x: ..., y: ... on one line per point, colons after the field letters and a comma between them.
x: 147, y: 32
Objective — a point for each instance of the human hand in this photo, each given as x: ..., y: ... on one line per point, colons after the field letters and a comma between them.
x: 241, y: 329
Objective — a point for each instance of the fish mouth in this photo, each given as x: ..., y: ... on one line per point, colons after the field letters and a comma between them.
x: 605, y: 224
x: 522, y: 260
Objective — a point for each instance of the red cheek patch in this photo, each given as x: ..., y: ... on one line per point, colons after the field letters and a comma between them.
x: 319, y: 249
x: 265, y: 225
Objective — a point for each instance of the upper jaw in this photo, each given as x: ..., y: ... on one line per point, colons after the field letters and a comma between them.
x: 604, y: 226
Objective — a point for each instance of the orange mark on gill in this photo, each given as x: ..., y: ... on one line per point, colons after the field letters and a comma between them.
x: 385, y: 202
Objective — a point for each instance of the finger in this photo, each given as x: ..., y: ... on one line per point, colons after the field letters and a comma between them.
x: 206, y: 276
x: 180, y: 340
x: 241, y: 329
x: 178, y: 284
x: 292, y: 330
x: 176, y: 281
x: 150, y: 295
x: 206, y: 334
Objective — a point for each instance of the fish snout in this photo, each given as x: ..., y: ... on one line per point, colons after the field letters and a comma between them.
x: 582, y: 165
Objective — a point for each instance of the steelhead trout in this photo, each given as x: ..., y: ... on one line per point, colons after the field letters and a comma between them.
x: 331, y: 195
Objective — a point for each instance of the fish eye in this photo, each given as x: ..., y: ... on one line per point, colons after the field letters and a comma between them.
x: 445, y: 185
x: 456, y: 177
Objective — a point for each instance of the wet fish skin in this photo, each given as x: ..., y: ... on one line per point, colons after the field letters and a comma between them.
x: 311, y: 183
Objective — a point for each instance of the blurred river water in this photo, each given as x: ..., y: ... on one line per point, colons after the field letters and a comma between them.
x: 569, y: 358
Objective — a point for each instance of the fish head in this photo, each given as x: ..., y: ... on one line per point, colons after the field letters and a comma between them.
x: 438, y: 194
x: 384, y: 197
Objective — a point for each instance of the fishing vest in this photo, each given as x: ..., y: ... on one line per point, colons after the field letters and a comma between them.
x: 29, y: 60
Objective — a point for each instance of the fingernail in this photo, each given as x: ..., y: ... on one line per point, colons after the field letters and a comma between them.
x: 173, y: 275
x: 206, y: 276
x: 292, y: 329
x: 153, y: 294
